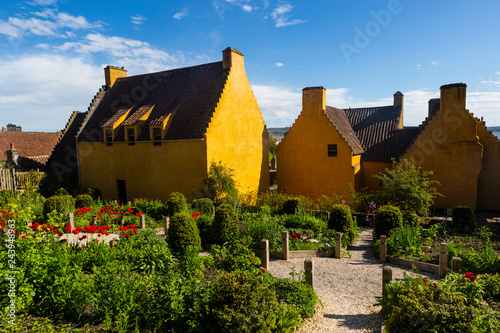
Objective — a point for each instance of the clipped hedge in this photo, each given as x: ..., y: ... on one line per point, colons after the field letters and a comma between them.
x: 84, y: 200
x: 240, y: 303
x: 464, y: 221
x: 182, y: 232
x: 340, y: 218
x: 62, y: 204
x: 224, y: 225
x: 203, y: 205
x: 176, y: 203
x: 387, y: 218
x: 292, y: 206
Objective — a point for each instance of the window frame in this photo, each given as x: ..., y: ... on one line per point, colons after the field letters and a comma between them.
x: 333, y: 150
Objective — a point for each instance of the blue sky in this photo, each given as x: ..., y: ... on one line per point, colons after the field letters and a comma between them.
x: 362, y: 52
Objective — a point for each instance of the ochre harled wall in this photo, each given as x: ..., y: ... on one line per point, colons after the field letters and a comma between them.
x: 488, y: 196
x: 236, y: 134
x: 450, y: 148
x: 368, y: 170
x: 304, y: 167
x: 149, y: 171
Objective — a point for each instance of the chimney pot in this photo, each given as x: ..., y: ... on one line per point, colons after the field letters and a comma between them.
x: 111, y: 73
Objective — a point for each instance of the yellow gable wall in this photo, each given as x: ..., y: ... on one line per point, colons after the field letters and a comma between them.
x: 149, y: 171
x: 304, y: 167
x: 368, y: 170
x: 449, y: 147
x: 236, y: 135
x: 489, y: 178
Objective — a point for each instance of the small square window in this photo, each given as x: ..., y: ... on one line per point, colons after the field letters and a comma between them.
x: 131, y: 136
x: 332, y: 150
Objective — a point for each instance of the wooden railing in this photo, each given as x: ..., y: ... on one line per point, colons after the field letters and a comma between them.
x: 11, y: 179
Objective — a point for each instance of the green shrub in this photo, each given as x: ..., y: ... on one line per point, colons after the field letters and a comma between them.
x: 62, y: 204
x: 259, y: 227
x: 183, y: 232
x: 404, y: 240
x: 7, y: 196
x: 83, y: 200
x: 410, y: 219
x: 240, y: 303
x: 225, y: 224
x: 95, y: 193
x: 303, y: 221
x: 340, y: 218
x: 61, y: 191
x: 153, y: 208
x: 464, y: 221
x: 204, y: 223
x: 235, y: 257
x: 387, y: 218
x: 203, y: 205
x: 292, y: 206
x: 296, y: 293
x: 176, y: 203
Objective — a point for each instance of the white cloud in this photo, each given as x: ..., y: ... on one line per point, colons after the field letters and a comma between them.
x: 247, y: 8
x: 50, y: 25
x: 436, y: 63
x: 183, y: 13
x: 280, y: 18
x: 278, y: 64
x: 42, y: 2
x: 131, y: 53
x: 137, y: 19
x: 39, y: 92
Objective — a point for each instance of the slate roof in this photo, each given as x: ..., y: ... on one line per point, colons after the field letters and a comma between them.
x: 29, y: 144
x: 377, y: 130
x: 189, y: 94
x: 340, y: 121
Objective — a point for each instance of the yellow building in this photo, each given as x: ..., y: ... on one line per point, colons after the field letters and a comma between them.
x: 157, y: 133
x: 451, y: 142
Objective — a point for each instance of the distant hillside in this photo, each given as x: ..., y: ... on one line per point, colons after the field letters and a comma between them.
x: 494, y: 128
x: 278, y: 131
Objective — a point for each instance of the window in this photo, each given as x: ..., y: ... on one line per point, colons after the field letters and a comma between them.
x: 157, y: 136
x: 131, y: 136
x: 332, y: 150
x: 109, y: 137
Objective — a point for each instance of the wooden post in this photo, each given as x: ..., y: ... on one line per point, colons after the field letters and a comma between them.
x: 386, y: 278
x: 383, y: 248
x: 338, y: 245
x: 456, y: 264
x: 443, y: 260
x: 328, y: 216
x: 285, y: 250
x: 94, y: 220
x: 165, y: 226
x: 71, y: 220
x: 264, y: 253
x: 143, y: 222
x: 122, y: 220
x: 308, y: 268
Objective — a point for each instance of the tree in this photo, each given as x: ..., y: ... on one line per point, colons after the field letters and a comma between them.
x: 408, y: 187
x: 220, y: 185
x: 272, y: 143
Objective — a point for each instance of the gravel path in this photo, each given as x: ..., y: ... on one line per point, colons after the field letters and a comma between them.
x: 347, y: 288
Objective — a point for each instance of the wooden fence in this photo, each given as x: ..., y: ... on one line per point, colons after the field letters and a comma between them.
x: 11, y: 179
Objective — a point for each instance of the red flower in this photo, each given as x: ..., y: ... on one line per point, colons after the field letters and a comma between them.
x: 99, y: 235
x: 425, y: 281
x: 59, y: 234
x: 434, y: 284
x: 263, y: 270
x: 135, y: 230
x: 464, y: 280
x: 260, y: 273
x: 125, y: 234
x: 195, y: 215
x: 251, y: 260
x: 139, y: 214
x: 425, y: 251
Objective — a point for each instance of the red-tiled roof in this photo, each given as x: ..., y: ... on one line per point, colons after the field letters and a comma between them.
x: 189, y: 94
x: 341, y: 123
x: 32, y: 163
x: 28, y: 143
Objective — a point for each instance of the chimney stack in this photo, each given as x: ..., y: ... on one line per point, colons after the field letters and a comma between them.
x: 111, y: 73
x: 12, y: 155
x: 433, y: 106
x: 453, y: 97
x: 398, y: 102
x: 232, y: 58
x: 314, y: 99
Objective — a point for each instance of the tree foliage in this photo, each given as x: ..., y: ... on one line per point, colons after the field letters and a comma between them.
x: 220, y: 185
x: 408, y: 187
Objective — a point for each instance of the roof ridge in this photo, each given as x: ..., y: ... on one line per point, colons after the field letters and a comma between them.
x: 93, y: 106
x: 339, y: 131
x: 421, y: 127
x: 483, y: 123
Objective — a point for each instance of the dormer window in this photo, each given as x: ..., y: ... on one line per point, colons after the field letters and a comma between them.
x: 109, y: 137
x: 157, y: 136
x: 332, y: 150
x: 131, y: 136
